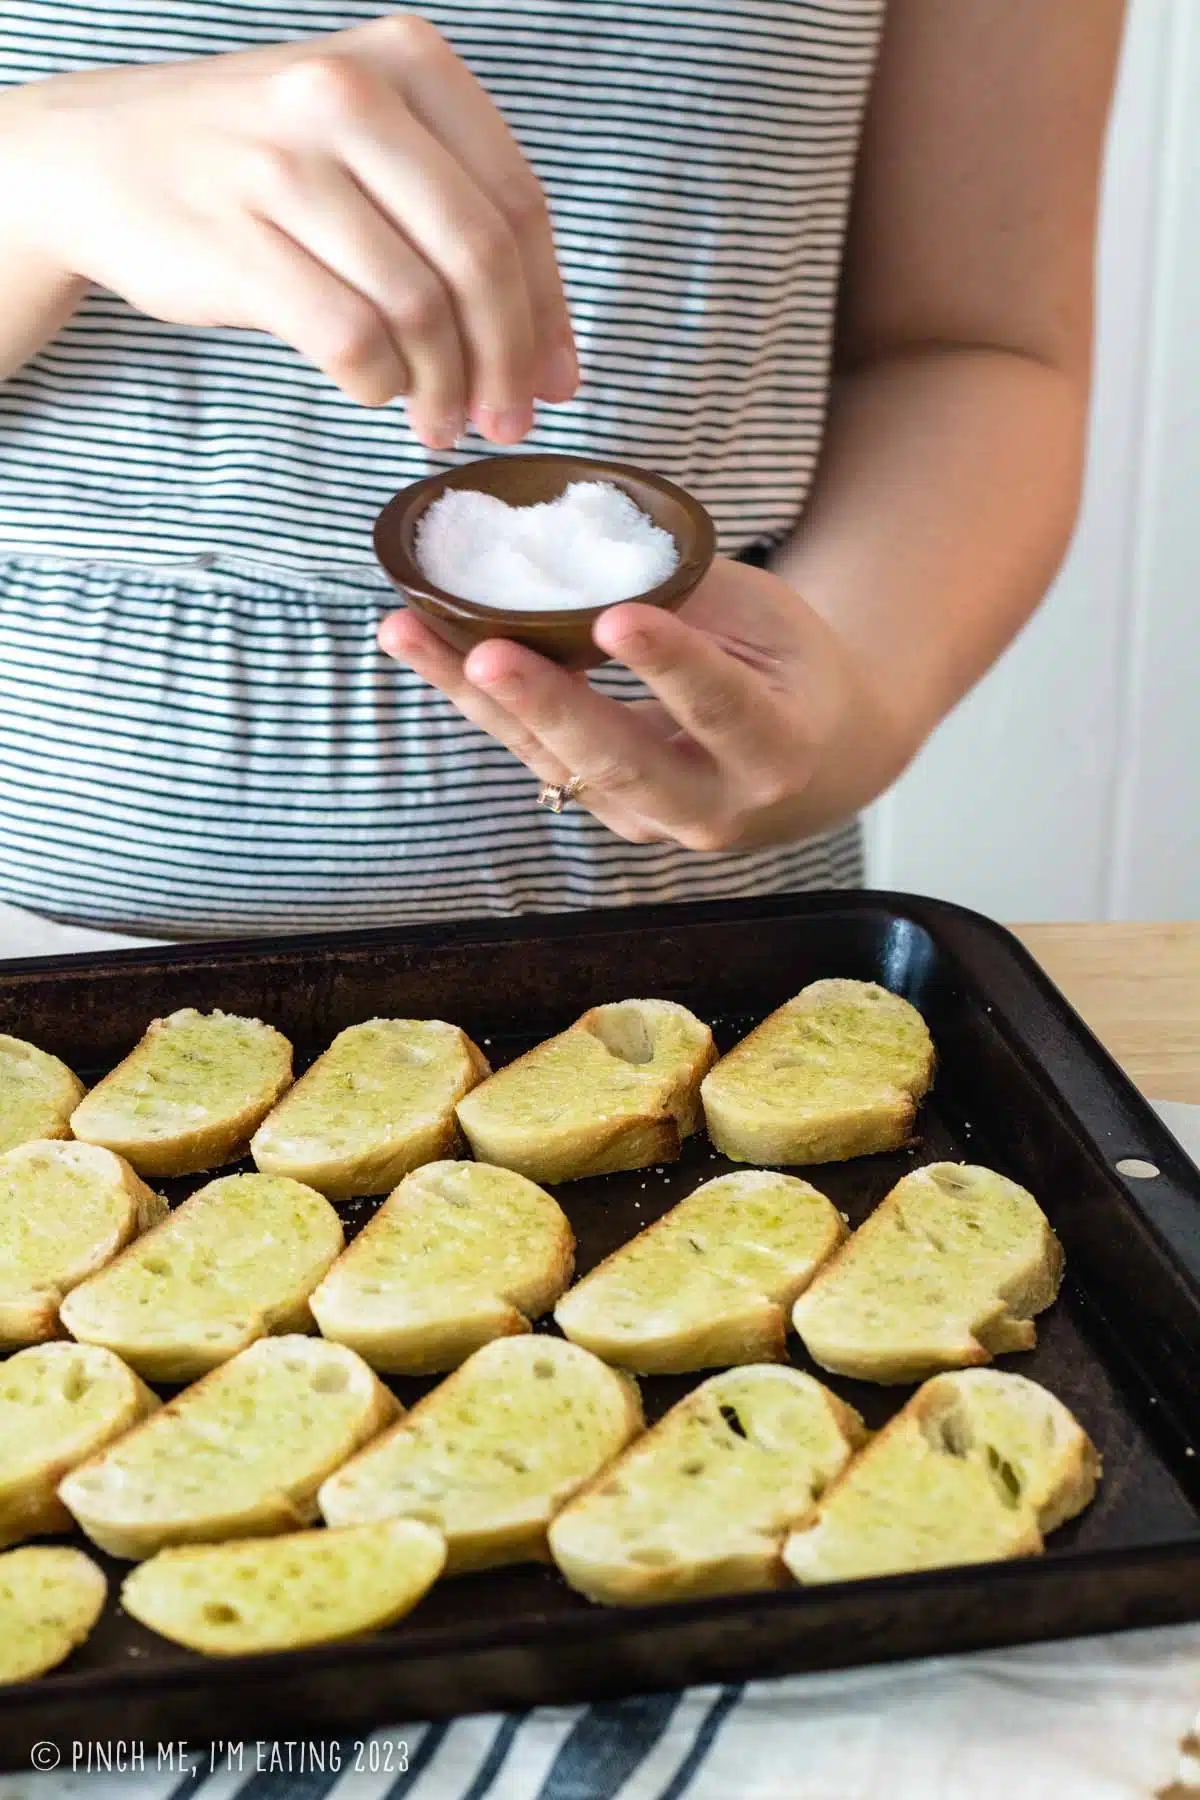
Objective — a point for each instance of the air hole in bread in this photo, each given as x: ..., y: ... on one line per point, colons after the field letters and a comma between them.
x: 217, y: 1612
x: 75, y: 1383
x: 625, y: 1033
x: 156, y: 1265
x: 447, y: 1187
x: 651, y: 1557
x: 543, y: 1369
x: 330, y: 1381
x: 950, y: 1181
x: 511, y: 1460
x: 692, y: 1468
x: 949, y: 1431
x: 1008, y: 1482
x: 731, y: 1418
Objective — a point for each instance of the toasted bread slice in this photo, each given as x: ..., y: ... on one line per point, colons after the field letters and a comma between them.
x: 620, y: 1089
x: 494, y: 1451
x: 38, y: 1094
x: 65, y: 1211
x: 190, y: 1096
x: 59, y: 1405
x: 311, y: 1587
x: 378, y: 1103
x: 711, y: 1282
x: 461, y: 1253
x: 236, y: 1261
x: 240, y: 1454
x: 701, y: 1504
x: 977, y: 1467
x: 836, y: 1072
x: 50, y: 1598
x: 947, y: 1272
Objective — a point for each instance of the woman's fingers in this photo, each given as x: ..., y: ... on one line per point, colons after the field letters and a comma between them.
x: 445, y: 96
x: 433, y: 204
x: 622, y: 761
x: 318, y: 205
x: 404, y: 637
x: 279, y: 287
x: 719, y: 701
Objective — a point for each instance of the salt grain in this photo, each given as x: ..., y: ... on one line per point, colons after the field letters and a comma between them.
x: 590, y: 547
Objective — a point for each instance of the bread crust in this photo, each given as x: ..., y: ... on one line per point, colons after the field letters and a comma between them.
x: 106, y: 1116
x: 961, y: 1332
x: 803, y: 1087
x: 387, y: 1149
x: 27, y: 1175
x: 619, y: 1089
x: 490, y: 1293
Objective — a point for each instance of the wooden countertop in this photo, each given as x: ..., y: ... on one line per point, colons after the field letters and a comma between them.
x: 1138, y: 987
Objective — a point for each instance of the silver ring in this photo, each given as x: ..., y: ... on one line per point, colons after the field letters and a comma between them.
x: 554, y: 795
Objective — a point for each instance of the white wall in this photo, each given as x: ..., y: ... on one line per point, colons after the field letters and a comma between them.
x: 1068, y: 784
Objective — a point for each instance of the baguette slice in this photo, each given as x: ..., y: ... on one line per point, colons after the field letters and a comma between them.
x: 702, y: 1503
x: 711, y: 1282
x: 947, y: 1272
x: 492, y: 1453
x: 461, y: 1253
x: 59, y: 1405
x: 50, y: 1598
x: 240, y: 1454
x: 38, y: 1094
x: 311, y: 1587
x: 191, y: 1094
x: 977, y: 1467
x: 235, y: 1262
x: 620, y: 1089
x: 836, y: 1072
x: 65, y: 1211
x: 378, y: 1103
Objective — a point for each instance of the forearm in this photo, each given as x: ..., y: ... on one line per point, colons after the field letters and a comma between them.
x: 37, y: 296
x: 944, y: 502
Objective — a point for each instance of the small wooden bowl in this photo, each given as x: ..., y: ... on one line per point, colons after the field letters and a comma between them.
x: 564, y: 636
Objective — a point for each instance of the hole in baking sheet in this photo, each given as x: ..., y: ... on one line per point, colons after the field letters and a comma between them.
x: 1135, y: 1168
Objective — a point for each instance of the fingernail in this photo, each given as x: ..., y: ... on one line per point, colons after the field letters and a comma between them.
x: 445, y: 434
x: 560, y: 376
x: 505, y: 425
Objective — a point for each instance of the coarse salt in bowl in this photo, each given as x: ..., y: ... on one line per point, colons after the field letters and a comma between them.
x: 535, y: 547
x: 593, y: 546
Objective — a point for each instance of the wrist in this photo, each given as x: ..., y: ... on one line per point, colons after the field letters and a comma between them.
x: 40, y: 290
x: 30, y: 216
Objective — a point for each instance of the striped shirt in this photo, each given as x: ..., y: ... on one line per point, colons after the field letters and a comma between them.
x: 197, y: 730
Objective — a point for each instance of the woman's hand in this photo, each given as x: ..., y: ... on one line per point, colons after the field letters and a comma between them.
x: 763, y: 730
x: 356, y: 195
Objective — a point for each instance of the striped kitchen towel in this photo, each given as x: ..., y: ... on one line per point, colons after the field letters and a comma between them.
x: 1098, y: 1719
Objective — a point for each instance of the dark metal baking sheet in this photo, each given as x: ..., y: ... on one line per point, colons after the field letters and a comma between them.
x: 1021, y: 1086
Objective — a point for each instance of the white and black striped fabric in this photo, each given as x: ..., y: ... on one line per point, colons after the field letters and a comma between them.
x: 197, y: 731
